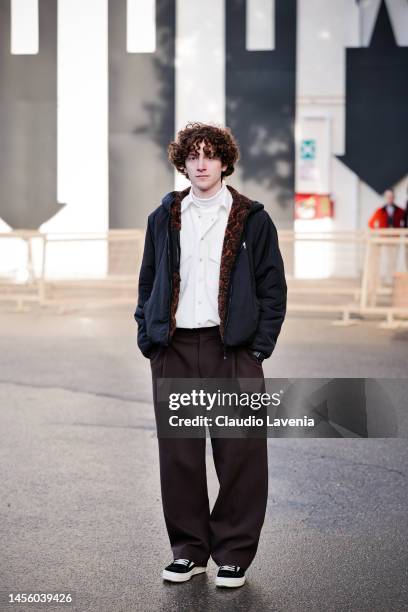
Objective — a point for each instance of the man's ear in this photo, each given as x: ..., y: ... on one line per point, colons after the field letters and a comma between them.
x: 223, y: 168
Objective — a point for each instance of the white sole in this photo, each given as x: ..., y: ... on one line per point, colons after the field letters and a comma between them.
x: 174, y: 577
x: 229, y: 582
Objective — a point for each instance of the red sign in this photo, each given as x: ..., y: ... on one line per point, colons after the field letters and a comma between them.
x: 313, y: 206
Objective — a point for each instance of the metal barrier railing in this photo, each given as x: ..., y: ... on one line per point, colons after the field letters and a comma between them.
x: 363, y: 273
x: 18, y: 281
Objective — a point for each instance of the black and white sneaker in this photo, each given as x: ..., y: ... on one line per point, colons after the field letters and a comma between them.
x: 181, y: 570
x: 230, y: 576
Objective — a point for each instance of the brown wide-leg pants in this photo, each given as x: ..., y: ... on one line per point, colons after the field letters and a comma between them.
x: 230, y: 532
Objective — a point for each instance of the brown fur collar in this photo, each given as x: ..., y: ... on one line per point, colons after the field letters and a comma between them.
x: 239, y: 211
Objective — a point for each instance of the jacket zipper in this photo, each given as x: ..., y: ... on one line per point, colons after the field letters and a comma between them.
x: 170, y: 267
x: 227, y: 317
x: 230, y: 290
x: 170, y: 283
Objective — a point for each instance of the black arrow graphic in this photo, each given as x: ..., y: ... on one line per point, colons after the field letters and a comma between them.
x: 376, y: 108
x: 260, y: 89
x: 28, y: 124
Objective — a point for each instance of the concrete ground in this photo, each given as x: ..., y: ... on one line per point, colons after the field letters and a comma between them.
x: 80, y: 506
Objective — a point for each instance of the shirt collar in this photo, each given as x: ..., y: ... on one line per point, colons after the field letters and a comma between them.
x: 225, y: 201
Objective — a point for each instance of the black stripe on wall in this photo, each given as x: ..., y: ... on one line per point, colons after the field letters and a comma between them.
x: 141, y: 118
x: 28, y: 124
x: 261, y: 104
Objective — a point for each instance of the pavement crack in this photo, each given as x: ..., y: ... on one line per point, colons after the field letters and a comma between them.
x: 116, y: 396
x: 351, y: 462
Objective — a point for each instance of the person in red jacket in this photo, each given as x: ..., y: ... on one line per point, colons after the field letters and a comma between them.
x: 388, y: 215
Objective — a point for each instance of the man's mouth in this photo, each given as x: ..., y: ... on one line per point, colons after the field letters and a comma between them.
x: 202, y: 176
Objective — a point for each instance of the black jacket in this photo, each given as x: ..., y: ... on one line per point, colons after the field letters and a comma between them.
x: 252, y: 286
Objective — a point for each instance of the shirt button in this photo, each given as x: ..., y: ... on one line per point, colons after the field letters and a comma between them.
x: 201, y: 259
x: 199, y: 301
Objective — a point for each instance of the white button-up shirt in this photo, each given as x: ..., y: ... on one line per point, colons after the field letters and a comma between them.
x: 203, y: 223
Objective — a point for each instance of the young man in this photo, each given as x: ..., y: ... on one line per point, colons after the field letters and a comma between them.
x: 212, y: 300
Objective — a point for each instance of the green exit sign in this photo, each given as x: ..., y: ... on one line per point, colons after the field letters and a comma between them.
x: 308, y: 149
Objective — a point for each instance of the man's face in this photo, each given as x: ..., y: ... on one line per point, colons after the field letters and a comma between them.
x: 204, y: 170
x: 389, y: 196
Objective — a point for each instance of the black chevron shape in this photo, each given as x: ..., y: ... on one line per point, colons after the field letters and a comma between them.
x: 28, y: 124
x: 376, y: 108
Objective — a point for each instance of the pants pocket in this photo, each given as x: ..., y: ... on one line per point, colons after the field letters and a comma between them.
x: 156, y: 354
x: 248, y: 365
x: 157, y: 362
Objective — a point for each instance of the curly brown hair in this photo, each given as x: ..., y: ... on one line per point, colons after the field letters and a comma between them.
x: 219, y: 142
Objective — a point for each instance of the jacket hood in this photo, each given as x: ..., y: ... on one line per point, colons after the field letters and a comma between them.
x: 172, y: 195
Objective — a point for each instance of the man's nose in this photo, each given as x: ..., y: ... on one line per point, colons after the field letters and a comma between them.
x: 201, y: 163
